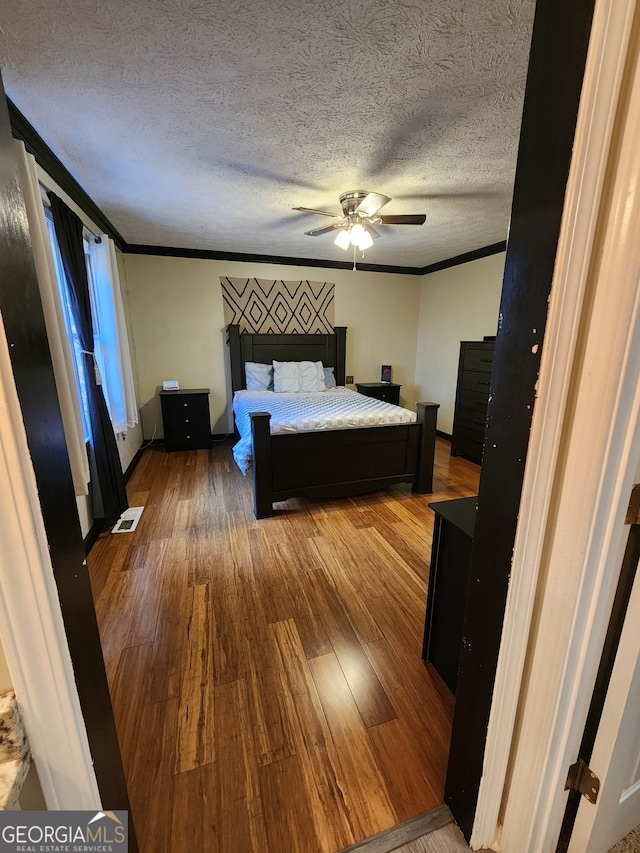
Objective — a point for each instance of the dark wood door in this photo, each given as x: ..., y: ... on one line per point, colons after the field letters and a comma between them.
x: 556, y: 68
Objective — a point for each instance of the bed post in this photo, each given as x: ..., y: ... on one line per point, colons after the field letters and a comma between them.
x: 235, y: 357
x: 427, y: 416
x: 261, y: 463
x: 341, y: 353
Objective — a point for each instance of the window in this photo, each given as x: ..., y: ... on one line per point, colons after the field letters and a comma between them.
x: 70, y: 326
x: 111, y: 356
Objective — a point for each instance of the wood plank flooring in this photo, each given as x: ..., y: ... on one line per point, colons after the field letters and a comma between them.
x: 266, y: 675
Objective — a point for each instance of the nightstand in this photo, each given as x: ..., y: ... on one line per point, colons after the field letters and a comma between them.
x: 185, y: 418
x: 387, y: 391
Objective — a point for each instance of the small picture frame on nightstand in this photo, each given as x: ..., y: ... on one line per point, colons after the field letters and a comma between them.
x: 385, y: 374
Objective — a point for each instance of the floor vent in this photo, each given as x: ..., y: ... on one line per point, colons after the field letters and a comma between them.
x: 128, y: 521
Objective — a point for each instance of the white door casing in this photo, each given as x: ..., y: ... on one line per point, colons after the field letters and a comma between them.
x: 31, y: 626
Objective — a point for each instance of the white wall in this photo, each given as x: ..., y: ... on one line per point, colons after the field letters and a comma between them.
x: 456, y: 304
x: 178, y: 326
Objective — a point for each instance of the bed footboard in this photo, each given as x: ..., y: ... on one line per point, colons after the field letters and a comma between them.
x: 340, y: 463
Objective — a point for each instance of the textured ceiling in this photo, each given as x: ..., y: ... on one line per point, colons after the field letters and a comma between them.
x: 201, y: 123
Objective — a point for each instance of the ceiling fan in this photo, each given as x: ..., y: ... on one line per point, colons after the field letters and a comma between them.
x: 359, y: 215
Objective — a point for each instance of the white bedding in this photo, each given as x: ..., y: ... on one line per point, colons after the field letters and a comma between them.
x: 335, y: 408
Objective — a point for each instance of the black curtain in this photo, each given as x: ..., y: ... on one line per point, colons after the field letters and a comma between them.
x: 107, y: 487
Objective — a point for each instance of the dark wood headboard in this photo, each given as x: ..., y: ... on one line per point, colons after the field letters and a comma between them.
x: 331, y: 350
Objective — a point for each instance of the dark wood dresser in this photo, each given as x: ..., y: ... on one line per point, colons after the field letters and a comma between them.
x: 472, y: 396
x: 185, y: 418
x: 387, y: 391
x: 453, y: 530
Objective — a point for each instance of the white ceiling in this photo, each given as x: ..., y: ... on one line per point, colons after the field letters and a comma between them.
x: 201, y: 123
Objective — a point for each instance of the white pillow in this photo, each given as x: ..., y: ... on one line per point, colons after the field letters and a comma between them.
x: 259, y: 377
x: 295, y: 376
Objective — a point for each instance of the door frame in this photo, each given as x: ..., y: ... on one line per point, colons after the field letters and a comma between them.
x: 557, y: 61
x: 77, y: 663
x: 582, y: 457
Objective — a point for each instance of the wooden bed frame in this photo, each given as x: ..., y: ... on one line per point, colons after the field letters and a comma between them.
x: 335, y: 463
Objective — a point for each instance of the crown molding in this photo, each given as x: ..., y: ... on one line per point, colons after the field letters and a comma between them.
x: 213, y: 255
x: 484, y: 252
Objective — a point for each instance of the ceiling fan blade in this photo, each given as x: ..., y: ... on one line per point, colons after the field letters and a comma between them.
x: 375, y: 234
x: 322, y: 212
x: 324, y: 230
x: 371, y: 203
x: 408, y: 219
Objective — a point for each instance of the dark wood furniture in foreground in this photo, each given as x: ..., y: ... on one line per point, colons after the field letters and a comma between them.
x: 185, y: 419
x: 472, y: 396
x: 334, y: 463
x: 447, y: 591
x: 389, y: 392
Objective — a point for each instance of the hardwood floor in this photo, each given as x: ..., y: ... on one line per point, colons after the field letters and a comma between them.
x: 266, y: 675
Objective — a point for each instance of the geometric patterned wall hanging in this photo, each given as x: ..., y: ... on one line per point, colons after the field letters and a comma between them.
x: 268, y: 306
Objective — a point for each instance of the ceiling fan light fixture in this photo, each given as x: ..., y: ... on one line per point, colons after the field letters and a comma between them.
x: 357, y: 234
x: 343, y: 239
x: 365, y: 241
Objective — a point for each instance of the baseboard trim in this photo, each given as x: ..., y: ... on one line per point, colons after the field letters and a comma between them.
x: 443, y: 434
x: 92, y: 536
x: 132, y: 465
x: 404, y: 833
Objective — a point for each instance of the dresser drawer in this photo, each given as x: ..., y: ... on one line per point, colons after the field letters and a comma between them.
x: 475, y: 380
x: 478, y: 358
x: 467, y: 442
x: 472, y: 399
x: 184, y: 419
x: 472, y: 418
x: 471, y: 408
x: 188, y: 439
x: 388, y: 393
x: 182, y: 403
